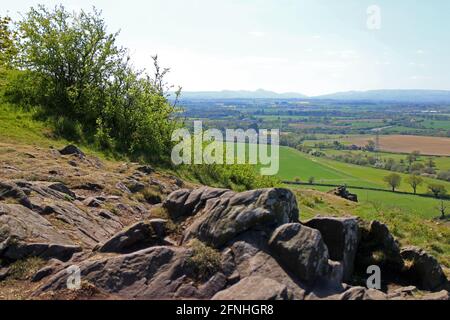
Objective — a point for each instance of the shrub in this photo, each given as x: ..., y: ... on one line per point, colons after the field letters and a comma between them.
x: 151, y: 196
x: 205, y: 261
x: 24, y: 269
x: 84, y: 83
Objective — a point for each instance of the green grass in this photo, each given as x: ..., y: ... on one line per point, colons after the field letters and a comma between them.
x: 19, y: 126
x: 294, y: 164
x: 409, y: 218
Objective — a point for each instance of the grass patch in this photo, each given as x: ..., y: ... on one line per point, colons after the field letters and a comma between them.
x: 205, y: 261
x: 25, y: 269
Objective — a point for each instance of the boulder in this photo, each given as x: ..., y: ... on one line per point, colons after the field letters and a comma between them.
x: 301, y: 250
x: 154, y: 273
x: 341, y: 236
x: 223, y: 218
x: 159, y: 227
x: 14, y: 251
x: 250, y: 256
x: 134, y: 186
x: 373, y: 294
x: 136, y: 237
x: 61, y: 187
x: 92, y: 202
x: 254, y: 288
x: 11, y: 190
x: 423, y: 268
x: 185, y: 202
x: 71, y: 149
x: 4, y: 273
x: 376, y: 237
x: 25, y: 233
x: 147, y: 169
x: 342, y: 192
x: 443, y: 295
x: 354, y: 293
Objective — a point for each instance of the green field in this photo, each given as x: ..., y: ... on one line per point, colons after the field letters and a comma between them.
x: 295, y: 164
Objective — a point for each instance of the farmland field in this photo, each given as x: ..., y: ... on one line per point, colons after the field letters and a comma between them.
x: 406, y: 144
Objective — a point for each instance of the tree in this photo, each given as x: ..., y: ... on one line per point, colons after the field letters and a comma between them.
x: 442, y: 209
x: 74, y: 56
x: 393, y: 180
x: 8, y: 49
x: 84, y: 83
x: 411, y: 158
x: 431, y: 163
x: 416, y: 154
x: 438, y: 190
x: 311, y: 180
x: 414, y: 181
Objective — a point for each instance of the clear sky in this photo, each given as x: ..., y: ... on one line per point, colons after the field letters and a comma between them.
x: 307, y: 46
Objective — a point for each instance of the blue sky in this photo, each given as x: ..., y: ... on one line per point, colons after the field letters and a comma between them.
x: 308, y: 46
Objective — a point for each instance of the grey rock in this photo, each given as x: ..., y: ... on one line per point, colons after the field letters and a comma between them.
x: 134, y: 186
x: 90, y: 186
x: 122, y: 187
x: 354, y: 293
x: 341, y: 236
x: 377, y: 238
x: 136, y: 237
x: 185, y: 202
x: 443, y: 295
x: 71, y: 149
x: 42, y: 273
x: 254, y: 288
x: 219, y: 220
x: 301, y: 250
x: 159, y: 227
x: 19, y: 250
x: 92, y: 202
x: 250, y: 256
x: 147, y: 169
x: 63, y: 189
x: 154, y: 273
x: 424, y: 268
x: 11, y: 190
x: 4, y: 273
x: 373, y: 294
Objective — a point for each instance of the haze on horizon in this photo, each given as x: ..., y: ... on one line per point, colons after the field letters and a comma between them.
x: 308, y: 46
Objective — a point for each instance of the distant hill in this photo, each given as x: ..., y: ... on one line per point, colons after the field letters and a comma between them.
x: 420, y: 96
x: 241, y: 94
x: 423, y: 96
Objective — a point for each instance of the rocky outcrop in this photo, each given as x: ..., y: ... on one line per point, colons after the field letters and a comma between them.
x: 200, y: 243
x: 10, y: 190
x: 341, y: 236
x: 254, y: 288
x: 134, y: 238
x: 342, y: 192
x: 423, y: 268
x: 72, y: 150
x: 25, y: 233
x: 301, y: 250
x: 154, y: 273
x: 220, y: 219
x: 376, y: 238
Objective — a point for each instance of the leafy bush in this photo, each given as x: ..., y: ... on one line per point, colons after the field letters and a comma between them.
x: 72, y: 68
